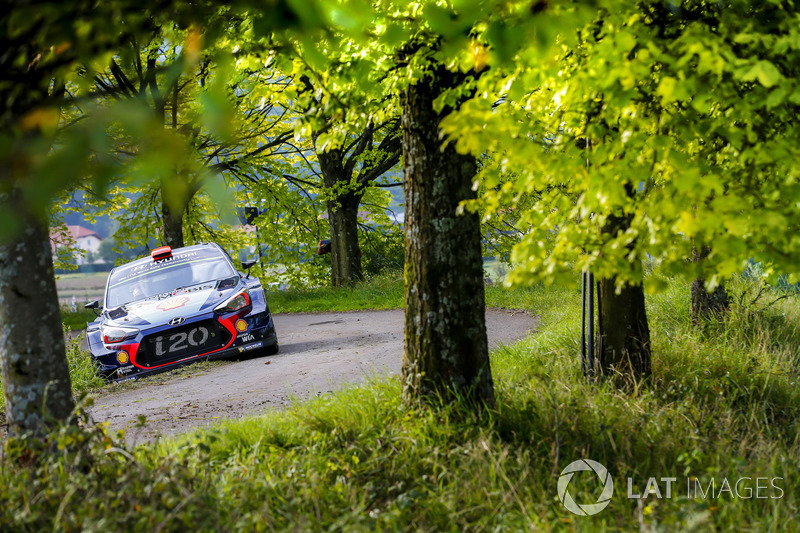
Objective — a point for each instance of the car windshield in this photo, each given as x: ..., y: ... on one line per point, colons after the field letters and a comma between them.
x: 150, y: 278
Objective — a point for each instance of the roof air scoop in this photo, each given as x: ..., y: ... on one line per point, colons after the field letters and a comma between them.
x: 164, y: 252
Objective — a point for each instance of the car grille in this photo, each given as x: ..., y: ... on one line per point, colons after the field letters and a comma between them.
x: 179, y: 343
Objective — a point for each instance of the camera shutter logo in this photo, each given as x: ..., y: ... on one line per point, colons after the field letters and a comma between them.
x: 587, y: 509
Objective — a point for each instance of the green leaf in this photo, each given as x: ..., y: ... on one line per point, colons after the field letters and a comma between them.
x: 765, y: 72
x: 442, y: 20
x: 776, y: 97
x: 671, y: 90
x: 504, y: 40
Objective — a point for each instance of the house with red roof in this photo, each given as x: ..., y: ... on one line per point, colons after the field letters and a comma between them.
x: 79, y: 237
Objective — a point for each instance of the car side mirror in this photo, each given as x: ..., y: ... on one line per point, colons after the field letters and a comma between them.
x: 247, y: 265
x: 95, y: 305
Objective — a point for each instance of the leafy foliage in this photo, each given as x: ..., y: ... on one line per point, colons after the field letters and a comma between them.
x: 675, y: 115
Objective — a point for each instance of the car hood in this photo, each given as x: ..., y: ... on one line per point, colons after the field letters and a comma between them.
x: 162, y: 309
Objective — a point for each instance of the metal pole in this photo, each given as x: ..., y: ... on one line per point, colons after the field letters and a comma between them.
x: 587, y: 300
x: 590, y: 283
x: 583, y: 323
x: 599, y: 326
x: 258, y: 245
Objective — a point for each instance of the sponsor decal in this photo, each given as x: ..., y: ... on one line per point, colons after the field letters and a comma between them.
x: 178, y: 258
x: 125, y: 369
x: 129, y: 271
x: 182, y: 341
x: 248, y: 337
x: 123, y: 357
x: 241, y: 325
x: 250, y: 347
x: 173, y: 303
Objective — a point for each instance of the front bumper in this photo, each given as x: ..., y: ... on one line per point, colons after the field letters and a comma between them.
x: 248, y: 335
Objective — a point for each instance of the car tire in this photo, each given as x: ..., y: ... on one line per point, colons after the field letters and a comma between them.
x: 272, y: 349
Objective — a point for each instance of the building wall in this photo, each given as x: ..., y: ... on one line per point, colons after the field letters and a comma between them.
x: 90, y: 243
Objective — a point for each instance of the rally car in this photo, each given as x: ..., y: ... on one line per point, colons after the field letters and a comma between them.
x: 175, y: 307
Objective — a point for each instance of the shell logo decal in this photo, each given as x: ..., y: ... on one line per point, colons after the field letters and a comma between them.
x: 173, y: 303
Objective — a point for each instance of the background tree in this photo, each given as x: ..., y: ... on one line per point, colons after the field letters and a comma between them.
x: 346, y: 143
x: 43, y: 44
x: 350, y: 160
x: 347, y: 171
x: 679, y: 103
x: 173, y: 80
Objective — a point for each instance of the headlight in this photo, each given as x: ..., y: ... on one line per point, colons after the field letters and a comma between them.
x: 113, y: 335
x: 236, y: 302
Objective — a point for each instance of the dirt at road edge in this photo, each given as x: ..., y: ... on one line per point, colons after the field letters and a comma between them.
x: 320, y: 353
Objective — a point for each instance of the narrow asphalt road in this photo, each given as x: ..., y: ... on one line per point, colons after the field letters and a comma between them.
x: 320, y: 352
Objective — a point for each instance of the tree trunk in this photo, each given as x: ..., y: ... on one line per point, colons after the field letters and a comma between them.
x: 340, y: 179
x: 446, y: 354
x: 342, y: 217
x: 345, y: 251
x: 706, y: 305
x: 173, y: 226
x: 33, y: 359
x: 623, y: 334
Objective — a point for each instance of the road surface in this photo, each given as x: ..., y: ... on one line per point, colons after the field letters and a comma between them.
x: 320, y: 352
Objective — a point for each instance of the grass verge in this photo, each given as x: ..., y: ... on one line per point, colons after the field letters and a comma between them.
x: 379, y: 292
x: 76, y: 320
x: 722, y: 408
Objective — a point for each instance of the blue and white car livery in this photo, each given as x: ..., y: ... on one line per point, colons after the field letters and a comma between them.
x: 175, y: 307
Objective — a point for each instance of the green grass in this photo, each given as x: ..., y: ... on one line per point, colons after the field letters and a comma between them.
x: 723, y: 403
x: 380, y: 292
x: 76, y: 320
x: 84, y: 287
x: 81, y: 369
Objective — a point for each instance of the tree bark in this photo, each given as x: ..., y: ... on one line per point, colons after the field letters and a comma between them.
x: 706, y: 305
x: 347, y: 187
x: 345, y: 250
x: 342, y: 218
x: 446, y: 354
x: 33, y: 361
x: 623, y: 333
x: 173, y: 226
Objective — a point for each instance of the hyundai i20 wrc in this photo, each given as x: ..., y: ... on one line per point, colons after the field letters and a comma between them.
x: 175, y: 307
